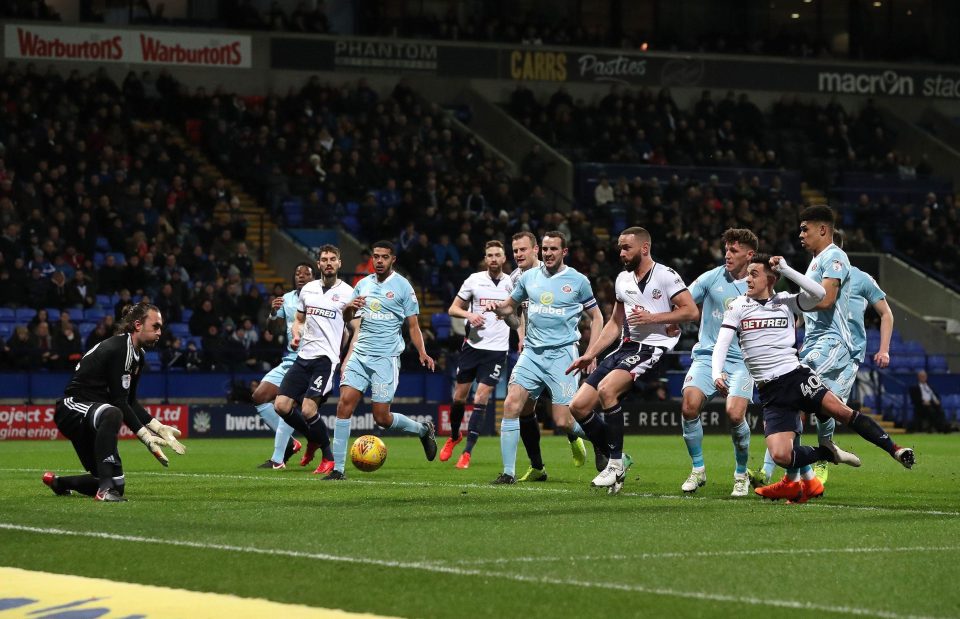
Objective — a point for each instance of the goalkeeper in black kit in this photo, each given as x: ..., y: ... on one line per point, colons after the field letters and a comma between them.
x: 101, y: 395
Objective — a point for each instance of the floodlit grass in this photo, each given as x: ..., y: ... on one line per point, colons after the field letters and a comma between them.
x: 419, y: 539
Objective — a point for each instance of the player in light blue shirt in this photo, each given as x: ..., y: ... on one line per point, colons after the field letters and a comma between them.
x: 373, y: 360
x: 864, y: 293
x: 557, y: 295
x: 283, y: 308
x: 714, y: 291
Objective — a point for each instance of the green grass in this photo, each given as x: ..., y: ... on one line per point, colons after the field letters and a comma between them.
x: 419, y: 539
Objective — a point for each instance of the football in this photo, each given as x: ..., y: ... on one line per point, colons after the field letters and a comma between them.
x: 368, y: 453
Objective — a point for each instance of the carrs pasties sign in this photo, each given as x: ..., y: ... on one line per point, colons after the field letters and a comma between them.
x: 128, y: 46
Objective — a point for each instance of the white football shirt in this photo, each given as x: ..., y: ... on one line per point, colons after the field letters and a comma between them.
x: 477, y: 290
x: 654, y: 294
x: 322, y: 334
x: 767, y: 333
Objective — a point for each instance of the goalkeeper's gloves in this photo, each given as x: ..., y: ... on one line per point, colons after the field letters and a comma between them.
x: 153, y: 443
x: 169, y: 434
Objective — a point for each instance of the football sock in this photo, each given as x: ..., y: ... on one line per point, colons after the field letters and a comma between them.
x: 105, y: 445
x: 295, y: 420
x: 768, y: 464
x: 456, y: 418
x: 741, y: 445
x: 405, y: 424
x: 321, y: 435
x: 84, y: 484
x: 825, y: 429
x: 476, y: 425
x: 269, y: 415
x: 282, y: 435
x: 614, y: 419
x: 596, y: 430
x: 530, y: 435
x: 509, y: 439
x: 341, y: 435
x: 576, y: 432
x: 870, y: 430
x: 805, y: 456
x: 794, y: 472
x: 693, y: 437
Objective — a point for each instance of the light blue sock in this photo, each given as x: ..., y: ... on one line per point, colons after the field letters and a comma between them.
x: 269, y: 415
x: 280, y: 440
x: 509, y: 439
x: 693, y: 437
x: 769, y: 466
x: 405, y: 424
x: 825, y: 429
x: 741, y: 446
x: 577, y: 430
x: 341, y: 436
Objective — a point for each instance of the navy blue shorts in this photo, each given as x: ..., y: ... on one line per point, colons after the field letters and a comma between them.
x: 77, y: 420
x: 784, y: 397
x: 308, y: 378
x: 641, y: 360
x: 484, y: 366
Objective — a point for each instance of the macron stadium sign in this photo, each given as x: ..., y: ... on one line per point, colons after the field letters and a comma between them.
x: 230, y: 51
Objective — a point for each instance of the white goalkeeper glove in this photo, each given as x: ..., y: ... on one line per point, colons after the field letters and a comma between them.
x: 169, y: 434
x: 153, y: 443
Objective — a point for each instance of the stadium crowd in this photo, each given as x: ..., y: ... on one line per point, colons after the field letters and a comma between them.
x: 99, y: 203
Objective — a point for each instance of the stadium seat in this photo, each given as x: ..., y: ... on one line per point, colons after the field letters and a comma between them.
x: 441, y: 325
x: 103, y: 245
x: 7, y: 315
x: 53, y: 313
x: 153, y: 361
x: 103, y: 300
x: 179, y: 329
x: 186, y: 314
x: 937, y: 364
x: 119, y: 257
x: 6, y: 330
x: 94, y: 313
x: 25, y: 314
x: 98, y: 259
x: 76, y: 313
x: 293, y: 212
x: 85, y: 328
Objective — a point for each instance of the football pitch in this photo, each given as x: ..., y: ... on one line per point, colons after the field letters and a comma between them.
x: 418, y: 539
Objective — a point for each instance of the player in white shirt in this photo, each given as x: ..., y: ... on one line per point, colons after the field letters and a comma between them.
x: 325, y: 306
x: 650, y: 297
x: 526, y: 251
x: 765, y: 325
x: 484, y: 352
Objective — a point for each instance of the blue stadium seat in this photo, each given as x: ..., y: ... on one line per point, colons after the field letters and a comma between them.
x: 25, y: 314
x: 103, y: 300
x: 153, y: 360
x: 76, y: 313
x: 6, y: 330
x: 293, y: 212
x: 119, y: 257
x: 94, y: 313
x: 351, y: 223
x: 103, y: 244
x: 441, y: 325
x: 7, y: 314
x: 179, y: 329
x: 353, y: 208
x: 98, y: 259
x: 53, y: 313
x: 186, y: 314
x: 937, y: 363
x: 686, y: 361
x: 85, y: 328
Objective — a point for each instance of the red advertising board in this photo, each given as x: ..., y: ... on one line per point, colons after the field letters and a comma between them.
x: 35, y: 422
x: 443, y: 418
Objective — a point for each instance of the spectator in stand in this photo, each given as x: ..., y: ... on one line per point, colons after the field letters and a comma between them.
x: 109, y: 276
x: 167, y: 303
x: 57, y: 294
x: 205, y: 317
x: 364, y: 267
x: 603, y: 193
x: 67, y: 345
x: 21, y: 349
x: 47, y: 354
x: 927, y: 409
x: 124, y: 300
x: 242, y: 261
x: 80, y: 291
x: 102, y: 331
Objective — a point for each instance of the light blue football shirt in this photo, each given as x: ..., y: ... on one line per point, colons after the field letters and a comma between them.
x: 833, y: 263
x: 288, y: 311
x: 555, y: 305
x: 389, y: 304
x: 864, y: 292
x: 715, y: 290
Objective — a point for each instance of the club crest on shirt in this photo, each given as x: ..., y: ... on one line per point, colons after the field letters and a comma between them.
x: 335, y: 297
x: 567, y: 288
x: 389, y: 294
x: 656, y: 294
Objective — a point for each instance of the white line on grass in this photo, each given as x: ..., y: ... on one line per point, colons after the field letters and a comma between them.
x: 708, y: 553
x: 515, y: 488
x: 457, y: 571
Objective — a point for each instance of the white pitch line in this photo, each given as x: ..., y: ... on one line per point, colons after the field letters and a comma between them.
x: 515, y: 488
x: 456, y: 571
x: 709, y: 553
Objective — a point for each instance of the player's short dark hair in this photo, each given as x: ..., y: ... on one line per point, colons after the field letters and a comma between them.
x: 526, y: 234
x: 328, y: 249
x: 764, y: 259
x: 820, y: 213
x: 556, y: 234
x: 742, y: 236
x: 493, y: 243
x: 293, y: 278
x: 135, y: 312
x: 641, y: 233
x: 385, y: 245
x: 839, y: 238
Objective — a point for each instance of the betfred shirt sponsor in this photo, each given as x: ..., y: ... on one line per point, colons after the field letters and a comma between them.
x: 35, y: 422
x: 130, y: 46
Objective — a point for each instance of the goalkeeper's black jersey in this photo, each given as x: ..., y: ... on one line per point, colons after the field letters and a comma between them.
x: 109, y: 372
